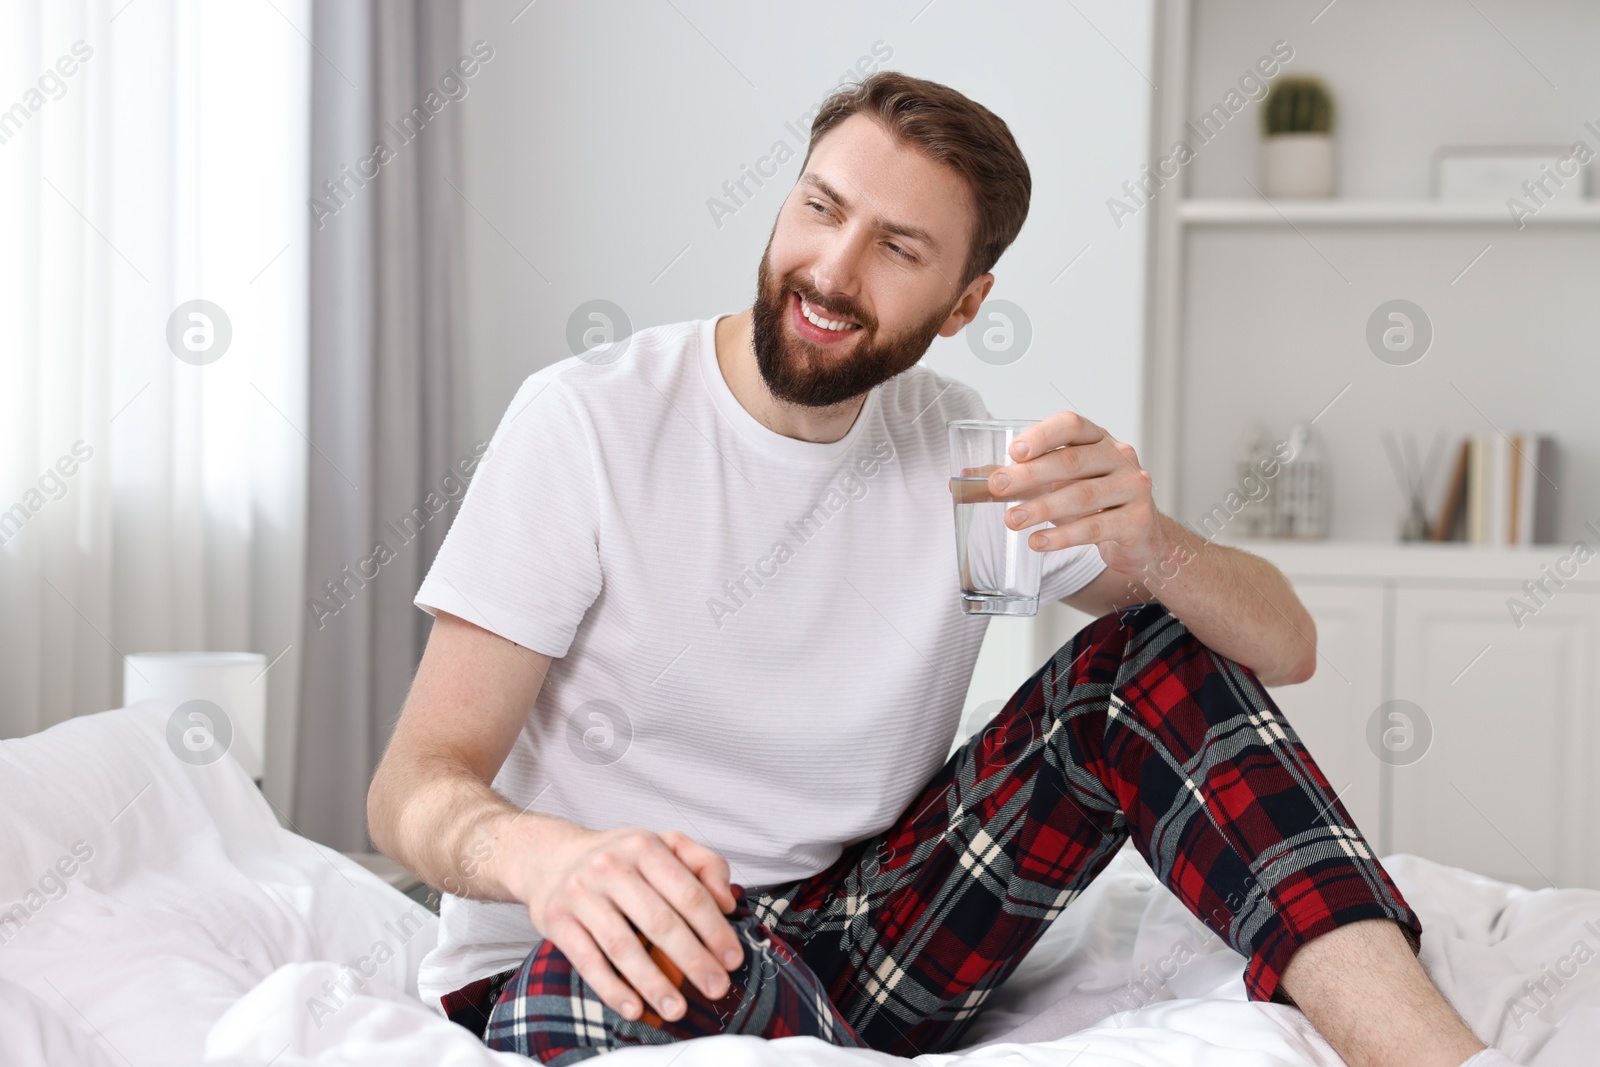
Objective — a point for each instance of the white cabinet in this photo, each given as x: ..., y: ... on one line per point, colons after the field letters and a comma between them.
x: 1503, y: 716
x: 1346, y: 686
x: 1504, y: 788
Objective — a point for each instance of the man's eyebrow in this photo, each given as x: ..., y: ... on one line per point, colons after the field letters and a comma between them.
x: 916, y: 233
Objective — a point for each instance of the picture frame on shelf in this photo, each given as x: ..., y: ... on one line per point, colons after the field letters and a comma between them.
x: 1496, y: 173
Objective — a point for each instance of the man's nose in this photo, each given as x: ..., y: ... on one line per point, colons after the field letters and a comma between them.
x: 836, y: 275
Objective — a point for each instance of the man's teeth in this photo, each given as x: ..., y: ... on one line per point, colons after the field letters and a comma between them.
x: 818, y: 320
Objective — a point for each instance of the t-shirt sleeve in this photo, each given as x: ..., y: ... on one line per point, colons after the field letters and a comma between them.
x: 1067, y: 570
x: 522, y: 556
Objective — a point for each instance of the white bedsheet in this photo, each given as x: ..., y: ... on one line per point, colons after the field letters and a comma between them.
x: 199, y: 931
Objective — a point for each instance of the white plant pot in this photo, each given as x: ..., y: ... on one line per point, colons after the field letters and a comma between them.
x: 1297, y: 165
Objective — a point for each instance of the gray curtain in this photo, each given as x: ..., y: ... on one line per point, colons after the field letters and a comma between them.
x: 383, y: 232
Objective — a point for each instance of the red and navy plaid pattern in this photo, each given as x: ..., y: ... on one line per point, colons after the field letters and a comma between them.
x: 1134, y: 730
x: 545, y: 1010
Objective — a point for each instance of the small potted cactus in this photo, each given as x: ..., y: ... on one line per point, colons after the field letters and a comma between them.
x: 1297, y: 152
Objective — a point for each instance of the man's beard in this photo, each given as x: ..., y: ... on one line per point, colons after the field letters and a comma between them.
x: 793, y: 370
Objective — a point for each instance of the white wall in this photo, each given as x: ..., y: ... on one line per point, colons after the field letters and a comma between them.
x: 595, y: 136
x: 1407, y: 77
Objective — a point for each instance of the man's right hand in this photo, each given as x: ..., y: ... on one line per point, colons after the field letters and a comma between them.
x: 673, y: 890
x: 432, y: 806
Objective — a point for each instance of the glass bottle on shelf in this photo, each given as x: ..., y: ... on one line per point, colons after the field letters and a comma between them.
x: 1256, y: 517
x: 1302, y: 511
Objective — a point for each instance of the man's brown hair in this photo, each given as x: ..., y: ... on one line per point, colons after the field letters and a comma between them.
x: 950, y: 129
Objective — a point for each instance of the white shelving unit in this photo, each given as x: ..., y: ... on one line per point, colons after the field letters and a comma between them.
x: 1258, y: 311
x: 1276, y: 293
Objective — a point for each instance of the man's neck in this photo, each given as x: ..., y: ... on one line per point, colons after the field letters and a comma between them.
x: 736, y: 356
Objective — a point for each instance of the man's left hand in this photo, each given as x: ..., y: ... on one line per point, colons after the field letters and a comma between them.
x: 1072, y: 473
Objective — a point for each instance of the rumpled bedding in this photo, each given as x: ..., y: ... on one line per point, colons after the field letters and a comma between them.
x: 155, y: 912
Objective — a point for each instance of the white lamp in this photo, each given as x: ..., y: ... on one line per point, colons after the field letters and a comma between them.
x: 233, y: 682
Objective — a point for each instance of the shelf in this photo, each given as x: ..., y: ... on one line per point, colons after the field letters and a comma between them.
x: 1426, y: 561
x: 1336, y: 212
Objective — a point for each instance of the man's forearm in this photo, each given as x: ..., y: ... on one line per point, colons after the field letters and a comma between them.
x: 456, y: 833
x: 1237, y: 604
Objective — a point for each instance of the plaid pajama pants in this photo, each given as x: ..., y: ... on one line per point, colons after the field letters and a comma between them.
x: 1134, y: 729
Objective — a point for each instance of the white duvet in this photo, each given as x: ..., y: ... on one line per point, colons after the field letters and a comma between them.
x: 153, y: 913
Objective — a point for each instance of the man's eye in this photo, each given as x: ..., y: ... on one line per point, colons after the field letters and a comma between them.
x: 820, y: 207
x: 900, y: 251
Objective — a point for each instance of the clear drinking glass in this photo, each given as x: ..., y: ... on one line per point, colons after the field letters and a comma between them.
x: 999, y: 573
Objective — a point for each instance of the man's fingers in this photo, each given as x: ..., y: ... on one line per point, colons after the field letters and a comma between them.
x: 1024, y: 481
x: 692, y: 893
x: 640, y: 913
x: 1089, y: 530
x: 708, y: 866
x: 659, y: 919
x: 1087, y: 496
x: 620, y: 942
x: 1062, y: 428
x: 590, y: 962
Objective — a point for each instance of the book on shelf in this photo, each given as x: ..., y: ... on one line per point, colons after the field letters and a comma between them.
x: 1500, y: 491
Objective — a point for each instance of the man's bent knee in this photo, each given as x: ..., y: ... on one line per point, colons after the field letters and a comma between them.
x: 547, y: 1010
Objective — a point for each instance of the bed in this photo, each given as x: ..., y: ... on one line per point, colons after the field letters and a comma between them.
x: 156, y: 913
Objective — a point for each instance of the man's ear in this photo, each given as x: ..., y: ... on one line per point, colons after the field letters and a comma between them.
x: 966, y: 308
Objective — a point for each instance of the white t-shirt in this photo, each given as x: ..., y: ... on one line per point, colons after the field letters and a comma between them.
x: 759, y: 639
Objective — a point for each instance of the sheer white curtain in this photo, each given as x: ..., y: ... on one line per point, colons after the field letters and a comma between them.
x: 152, y: 153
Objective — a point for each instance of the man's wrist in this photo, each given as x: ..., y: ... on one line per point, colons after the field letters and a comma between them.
x: 523, y: 849
x: 500, y: 841
x: 1175, y: 546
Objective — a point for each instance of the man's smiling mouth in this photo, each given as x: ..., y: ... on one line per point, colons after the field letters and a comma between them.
x: 822, y: 322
